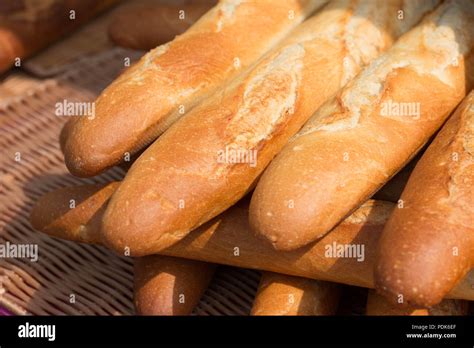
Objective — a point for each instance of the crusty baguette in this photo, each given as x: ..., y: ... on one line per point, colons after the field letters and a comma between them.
x: 73, y: 213
x: 64, y: 134
x: 360, y: 138
x: 378, y: 305
x: 166, y: 285
x: 26, y: 26
x: 280, y: 294
x: 227, y: 239
x: 163, y: 285
x: 143, y: 25
x: 427, y: 246
x: 190, y: 173
x: 171, y: 79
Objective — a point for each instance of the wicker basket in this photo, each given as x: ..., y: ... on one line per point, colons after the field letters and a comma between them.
x: 31, y: 165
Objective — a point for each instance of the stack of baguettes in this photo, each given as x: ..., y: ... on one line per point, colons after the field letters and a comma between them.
x: 315, y: 106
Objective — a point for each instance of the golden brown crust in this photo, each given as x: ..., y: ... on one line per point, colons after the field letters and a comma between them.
x: 345, y: 256
x: 280, y: 294
x: 358, y: 140
x: 190, y: 173
x: 379, y: 305
x: 73, y: 213
x: 144, y: 25
x: 64, y: 134
x: 173, y: 78
x: 428, y: 244
x: 27, y: 26
x: 165, y: 285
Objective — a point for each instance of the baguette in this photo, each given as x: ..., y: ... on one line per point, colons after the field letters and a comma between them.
x: 163, y: 285
x: 26, y: 26
x: 190, y: 172
x: 73, y: 213
x: 64, y: 134
x: 171, y: 79
x: 227, y: 239
x: 147, y: 24
x: 360, y: 138
x: 280, y: 294
x: 378, y: 305
x: 427, y: 246
x: 169, y: 286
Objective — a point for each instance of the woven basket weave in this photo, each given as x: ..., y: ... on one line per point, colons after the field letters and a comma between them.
x: 88, y: 40
x: 100, y: 281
